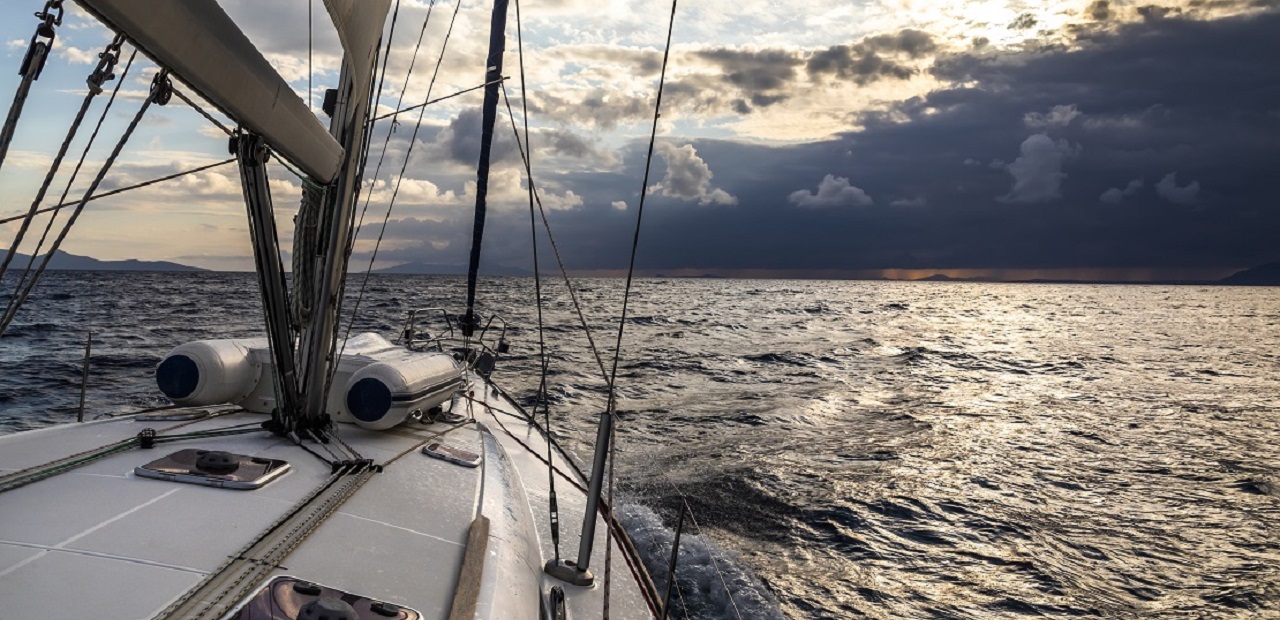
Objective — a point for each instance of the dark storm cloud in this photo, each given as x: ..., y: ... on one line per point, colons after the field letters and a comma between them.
x: 601, y: 107
x: 1099, y: 10
x: 740, y: 81
x: 873, y: 58
x: 754, y: 71
x: 1179, y: 117
x: 462, y: 140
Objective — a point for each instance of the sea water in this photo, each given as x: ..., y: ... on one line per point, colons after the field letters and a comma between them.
x: 846, y: 449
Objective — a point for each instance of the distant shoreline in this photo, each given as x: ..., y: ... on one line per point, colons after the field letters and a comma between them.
x: 1262, y: 275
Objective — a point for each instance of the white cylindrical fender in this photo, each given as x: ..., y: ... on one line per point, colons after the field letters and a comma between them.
x: 209, y: 372
x: 381, y: 395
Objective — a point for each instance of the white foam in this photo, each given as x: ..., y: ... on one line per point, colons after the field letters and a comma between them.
x: 712, y: 584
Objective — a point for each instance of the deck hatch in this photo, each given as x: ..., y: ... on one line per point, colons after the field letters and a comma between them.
x: 214, y: 468
x: 290, y: 598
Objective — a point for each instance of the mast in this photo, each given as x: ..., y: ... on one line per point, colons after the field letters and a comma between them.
x: 489, y: 116
x: 359, y: 27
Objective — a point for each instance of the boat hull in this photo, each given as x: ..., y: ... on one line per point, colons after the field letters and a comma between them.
x: 84, y: 536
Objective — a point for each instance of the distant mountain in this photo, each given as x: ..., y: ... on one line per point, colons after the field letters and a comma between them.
x: 1262, y: 275
x: 433, y: 269
x: 70, y: 262
x: 942, y: 277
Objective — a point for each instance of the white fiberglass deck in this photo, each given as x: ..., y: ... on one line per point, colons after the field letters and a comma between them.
x: 99, y: 541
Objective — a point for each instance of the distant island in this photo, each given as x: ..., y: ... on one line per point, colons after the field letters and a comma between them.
x: 1262, y: 275
x: 63, y: 261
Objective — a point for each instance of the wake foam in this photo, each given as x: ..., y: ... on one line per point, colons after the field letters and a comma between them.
x: 702, y: 594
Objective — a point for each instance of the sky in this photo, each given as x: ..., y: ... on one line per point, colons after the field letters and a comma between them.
x: 900, y: 138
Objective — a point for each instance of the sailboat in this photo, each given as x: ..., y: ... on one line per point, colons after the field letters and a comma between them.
x: 303, y: 475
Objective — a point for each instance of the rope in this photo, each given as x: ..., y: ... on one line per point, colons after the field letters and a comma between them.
x: 209, y: 117
x: 30, y: 69
x: 159, y: 87
x: 437, y: 100
x: 100, y: 74
x: 540, y: 400
x: 546, y: 224
x: 366, y: 128
x: 67, y: 188
x: 36, y: 473
x: 121, y: 190
x: 614, y: 529
x: 307, y: 181
x: 305, y: 230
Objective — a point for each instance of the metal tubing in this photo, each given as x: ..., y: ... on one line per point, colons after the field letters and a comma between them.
x: 671, y: 566
x: 603, y: 433
x: 84, y: 374
x: 252, y: 153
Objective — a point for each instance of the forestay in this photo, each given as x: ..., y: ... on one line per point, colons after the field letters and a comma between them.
x: 198, y: 42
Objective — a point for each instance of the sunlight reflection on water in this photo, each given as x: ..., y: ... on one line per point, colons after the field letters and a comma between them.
x: 872, y: 449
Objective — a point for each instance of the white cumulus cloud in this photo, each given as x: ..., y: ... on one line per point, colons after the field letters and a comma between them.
x: 688, y: 177
x: 1168, y: 189
x: 1037, y: 172
x: 833, y: 191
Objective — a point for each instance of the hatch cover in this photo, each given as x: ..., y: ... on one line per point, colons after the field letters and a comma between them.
x: 214, y: 468
x: 290, y: 598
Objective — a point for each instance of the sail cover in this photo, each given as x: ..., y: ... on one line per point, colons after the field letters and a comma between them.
x: 198, y: 42
x: 359, y: 24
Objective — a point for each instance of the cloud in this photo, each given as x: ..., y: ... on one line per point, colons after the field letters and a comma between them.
x: 752, y: 70
x: 833, y: 191
x: 873, y: 58
x: 1058, y: 116
x: 77, y: 56
x: 1099, y: 10
x: 1023, y: 22
x: 1116, y: 195
x: 1037, y: 172
x: 688, y: 177
x: 1168, y: 189
x: 461, y: 140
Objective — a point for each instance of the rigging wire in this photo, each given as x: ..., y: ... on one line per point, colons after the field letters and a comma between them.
x: 30, y: 68
x: 400, y: 101
x: 74, y: 174
x: 310, y: 47
x: 546, y: 224
x: 121, y: 190
x: 436, y: 100
x: 76, y: 171
x: 106, y: 62
x: 396, y: 191
x: 611, y: 407
x: 209, y: 117
x: 540, y: 400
